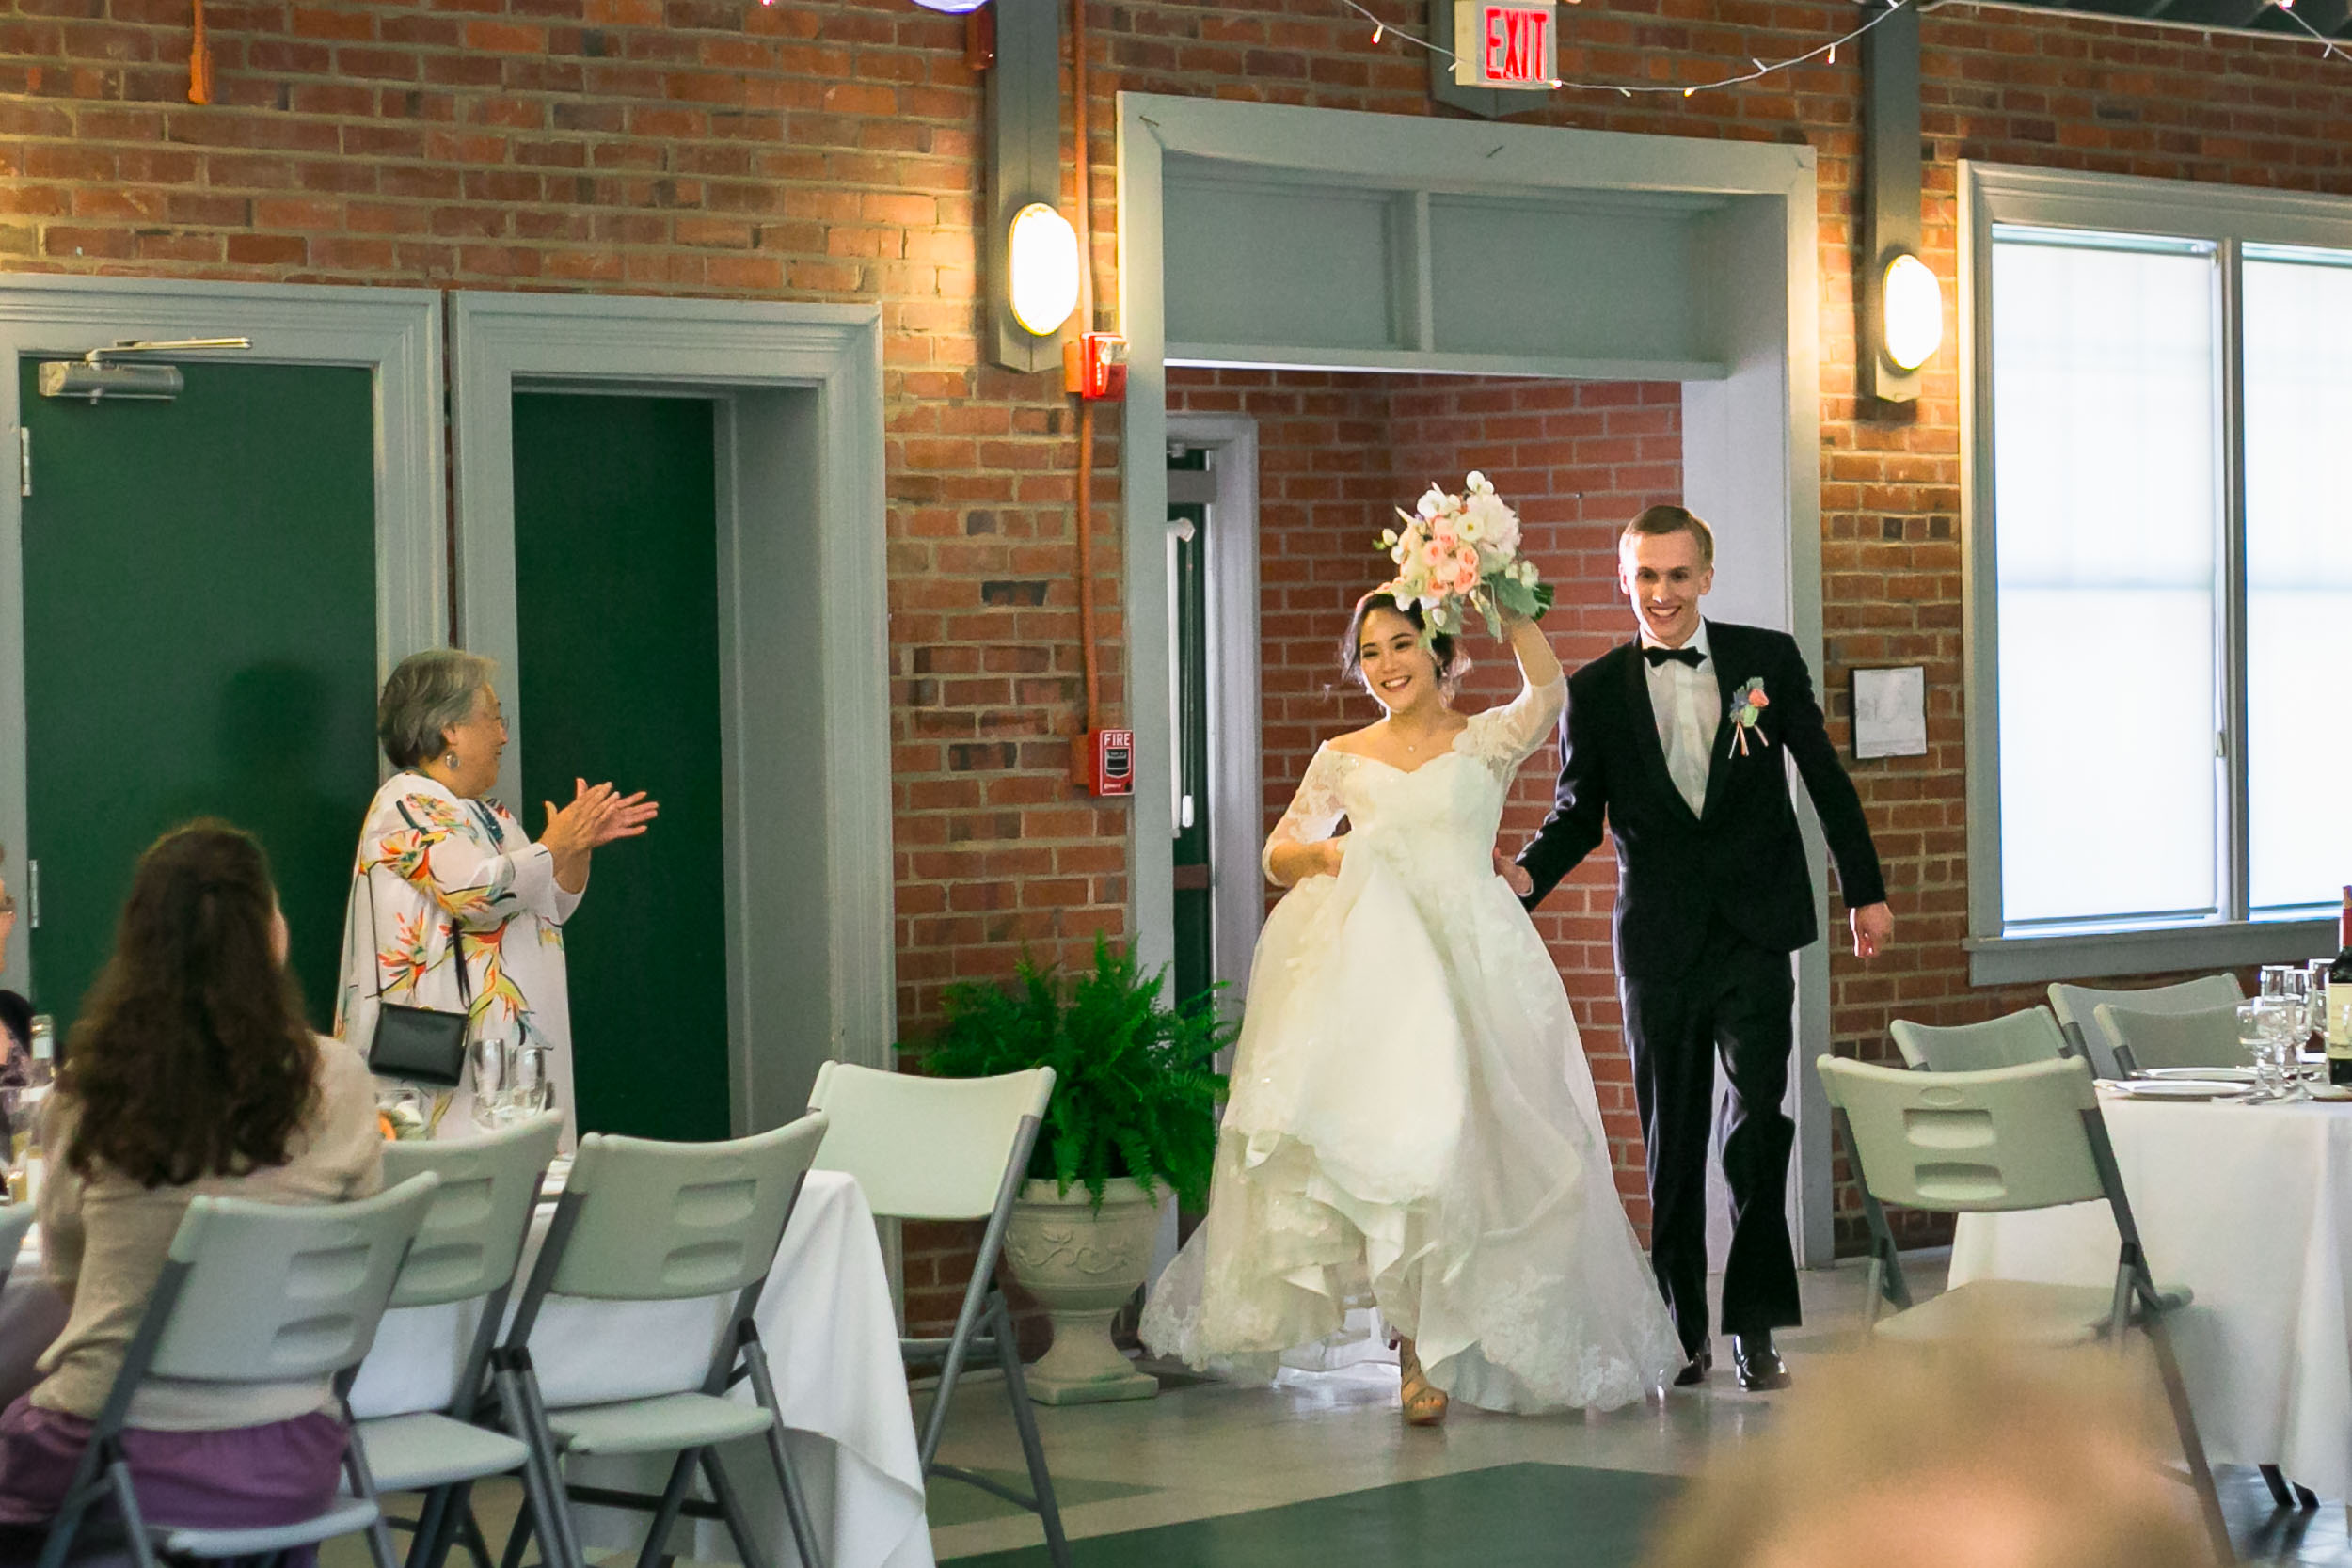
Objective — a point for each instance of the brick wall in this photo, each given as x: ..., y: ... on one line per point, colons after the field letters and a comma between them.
x: 827, y: 150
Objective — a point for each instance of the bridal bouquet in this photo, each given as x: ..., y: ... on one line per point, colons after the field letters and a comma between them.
x: 1459, y: 550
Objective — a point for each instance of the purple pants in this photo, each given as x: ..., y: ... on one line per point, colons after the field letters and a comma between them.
x: 277, y: 1473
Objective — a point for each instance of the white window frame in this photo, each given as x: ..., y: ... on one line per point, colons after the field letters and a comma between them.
x: 2231, y: 217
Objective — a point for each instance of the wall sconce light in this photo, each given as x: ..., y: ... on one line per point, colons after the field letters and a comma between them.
x: 1912, y: 303
x: 1042, y: 256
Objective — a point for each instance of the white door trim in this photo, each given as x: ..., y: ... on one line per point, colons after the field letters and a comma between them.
x: 393, y: 333
x: 734, y: 350
x: 1236, y: 714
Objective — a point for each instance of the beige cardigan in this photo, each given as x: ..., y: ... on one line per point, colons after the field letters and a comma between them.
x: 103, y: 1241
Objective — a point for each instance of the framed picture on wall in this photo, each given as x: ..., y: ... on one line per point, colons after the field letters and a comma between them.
x: 1890, y: 712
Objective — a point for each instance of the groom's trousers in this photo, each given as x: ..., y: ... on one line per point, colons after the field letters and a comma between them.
x: 1734, y: 1002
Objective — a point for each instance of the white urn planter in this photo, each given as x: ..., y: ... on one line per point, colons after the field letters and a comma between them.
x: 1082, y: 1264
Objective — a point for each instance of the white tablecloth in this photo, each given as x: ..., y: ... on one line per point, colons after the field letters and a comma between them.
x: 2251, y: 1206
x: 832, y: 1340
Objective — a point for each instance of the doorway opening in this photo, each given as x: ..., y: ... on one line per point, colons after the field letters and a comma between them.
x: 739, y: 621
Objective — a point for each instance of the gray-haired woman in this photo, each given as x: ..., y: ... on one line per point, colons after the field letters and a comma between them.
x: 452, y: 905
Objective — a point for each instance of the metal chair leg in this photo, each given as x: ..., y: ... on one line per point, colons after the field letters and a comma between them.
x: 86, y: 1488
x: 795, y: 1505
x: 118, y: 1475
x: 520, y: 1537
x: 657, y: 1533
x: 746, y: 1545
x: 363, y: 1485
x: 1024, y: 1420
x: 2200, y: 1472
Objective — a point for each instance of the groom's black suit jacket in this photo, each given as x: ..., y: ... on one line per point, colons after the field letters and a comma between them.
x: 1741, y: 859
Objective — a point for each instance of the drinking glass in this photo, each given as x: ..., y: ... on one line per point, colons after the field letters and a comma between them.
x: 2261, y: 1031
x: 528, y: 1089
x: 486, y: 1062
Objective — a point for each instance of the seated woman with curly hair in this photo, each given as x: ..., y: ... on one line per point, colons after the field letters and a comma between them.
x: 189, y: 1071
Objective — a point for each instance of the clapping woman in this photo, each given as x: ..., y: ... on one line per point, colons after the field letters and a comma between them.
x: 452, y: 905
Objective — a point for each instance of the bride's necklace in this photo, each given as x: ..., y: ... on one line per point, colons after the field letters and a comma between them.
x: 1412, y: 746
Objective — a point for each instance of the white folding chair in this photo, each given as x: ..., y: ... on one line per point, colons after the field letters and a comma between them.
x: 646, y: 1221
x: 2204, y: 1037
x: 2005, y: 1139
x: 468, y: 1250
x: 952, y: 1149
x: 254, y: 1292
x: 2011, y: 1040
x: 2076, y: 1007
x: 15, y: 1220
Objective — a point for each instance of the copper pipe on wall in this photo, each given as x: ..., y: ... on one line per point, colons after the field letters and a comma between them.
x: 1081, y: 765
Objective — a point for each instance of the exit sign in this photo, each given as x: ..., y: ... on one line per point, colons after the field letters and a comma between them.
x: 1505, y: 44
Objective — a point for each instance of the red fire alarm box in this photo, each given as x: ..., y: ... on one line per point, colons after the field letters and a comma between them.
x: 1104, y: 762
x: 1094, y: 366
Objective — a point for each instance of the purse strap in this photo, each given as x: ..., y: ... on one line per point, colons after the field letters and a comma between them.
x: 456, y: 933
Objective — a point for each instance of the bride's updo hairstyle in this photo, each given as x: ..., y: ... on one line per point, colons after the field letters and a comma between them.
x: 1451, y: 662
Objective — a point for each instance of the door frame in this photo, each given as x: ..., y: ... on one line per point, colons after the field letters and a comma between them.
x: 1751, y: 430
x: 395, y: 334
x: 1236, y: 714
x: 744, y: 353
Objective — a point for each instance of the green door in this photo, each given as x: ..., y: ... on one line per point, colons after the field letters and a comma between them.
x: 616, y: 594
x: 199, y: 640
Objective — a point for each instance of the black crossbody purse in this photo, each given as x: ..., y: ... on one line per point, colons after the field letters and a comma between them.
x: 423, y: 1045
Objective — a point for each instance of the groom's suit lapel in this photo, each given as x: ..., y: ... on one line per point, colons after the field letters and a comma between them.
x: 1645, y: 739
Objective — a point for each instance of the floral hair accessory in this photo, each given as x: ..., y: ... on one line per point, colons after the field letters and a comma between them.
x: 1464, y: 549
x: 1752, y: 705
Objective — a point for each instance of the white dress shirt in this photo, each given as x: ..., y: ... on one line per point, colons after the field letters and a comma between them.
x: 1689, y: 705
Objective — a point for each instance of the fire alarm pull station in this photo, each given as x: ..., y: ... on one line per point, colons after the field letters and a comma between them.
x: 1104, y: 762
x: 1094, y: 366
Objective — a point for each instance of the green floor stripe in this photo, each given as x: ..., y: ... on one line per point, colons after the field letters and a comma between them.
x: 951, y: 1503
x: 1510, y: 1516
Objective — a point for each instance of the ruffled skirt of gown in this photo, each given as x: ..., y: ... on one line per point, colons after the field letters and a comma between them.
x: 1412, y: 1125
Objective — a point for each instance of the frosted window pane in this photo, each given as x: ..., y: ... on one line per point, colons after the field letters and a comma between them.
x: 2299, y: 560
x: 2108, y: 521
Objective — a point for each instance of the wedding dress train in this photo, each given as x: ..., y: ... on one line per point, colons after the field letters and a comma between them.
x: 1412, y: 1123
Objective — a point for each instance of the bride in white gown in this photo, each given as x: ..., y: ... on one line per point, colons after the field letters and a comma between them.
x: 1412, y: 1123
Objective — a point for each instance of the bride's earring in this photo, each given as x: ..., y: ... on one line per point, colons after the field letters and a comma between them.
x: 449, y: 759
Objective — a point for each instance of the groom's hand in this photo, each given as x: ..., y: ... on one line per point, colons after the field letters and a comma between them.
x: 1873, y: 928
x: 1514, y: 875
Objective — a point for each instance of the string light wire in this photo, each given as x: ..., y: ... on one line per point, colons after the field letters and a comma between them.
x: 1827, y: 51
x: 1761, y: 70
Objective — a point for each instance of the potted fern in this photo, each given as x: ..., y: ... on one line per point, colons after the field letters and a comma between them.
x: 1133, y: 1122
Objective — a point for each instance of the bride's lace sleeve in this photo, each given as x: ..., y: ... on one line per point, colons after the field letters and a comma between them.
x: 1503, y: 737
x: 1314, y: 811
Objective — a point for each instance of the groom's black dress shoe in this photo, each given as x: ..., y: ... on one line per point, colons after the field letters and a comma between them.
x: 1758, y: 1363
x: 1695, y: 1372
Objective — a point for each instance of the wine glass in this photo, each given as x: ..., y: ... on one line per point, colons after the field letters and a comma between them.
x: 486, y: 1063
x: 2261, y: 1025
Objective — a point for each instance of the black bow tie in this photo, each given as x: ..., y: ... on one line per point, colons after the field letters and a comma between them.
x: 1657, y: 655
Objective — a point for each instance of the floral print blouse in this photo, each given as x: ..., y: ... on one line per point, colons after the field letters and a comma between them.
x: 441, y: 881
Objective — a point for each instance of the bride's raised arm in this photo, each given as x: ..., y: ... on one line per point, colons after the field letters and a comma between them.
x: 1507, y: 736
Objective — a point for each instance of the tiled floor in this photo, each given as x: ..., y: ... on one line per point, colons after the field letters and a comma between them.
x: 1207, y: 1449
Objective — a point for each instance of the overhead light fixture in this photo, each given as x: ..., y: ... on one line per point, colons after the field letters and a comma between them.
x: 1044, y: 261
x: 953, y: 8
x: 1912, y: 302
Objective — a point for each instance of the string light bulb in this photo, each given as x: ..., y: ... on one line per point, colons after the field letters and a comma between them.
x: 1379, y: 31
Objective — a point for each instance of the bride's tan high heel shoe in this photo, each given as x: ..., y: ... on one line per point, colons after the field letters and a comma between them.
x: 1425, y: 1405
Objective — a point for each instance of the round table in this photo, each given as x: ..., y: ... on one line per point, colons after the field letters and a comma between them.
x: 2251, y: 1206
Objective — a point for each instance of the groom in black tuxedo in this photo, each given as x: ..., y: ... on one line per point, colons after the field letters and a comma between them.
x: 1674, y: 741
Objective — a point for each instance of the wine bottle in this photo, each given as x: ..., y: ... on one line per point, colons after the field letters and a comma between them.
x: 2340, y: 1002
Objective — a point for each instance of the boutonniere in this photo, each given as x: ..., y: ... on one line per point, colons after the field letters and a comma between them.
x: 1752, y: 705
